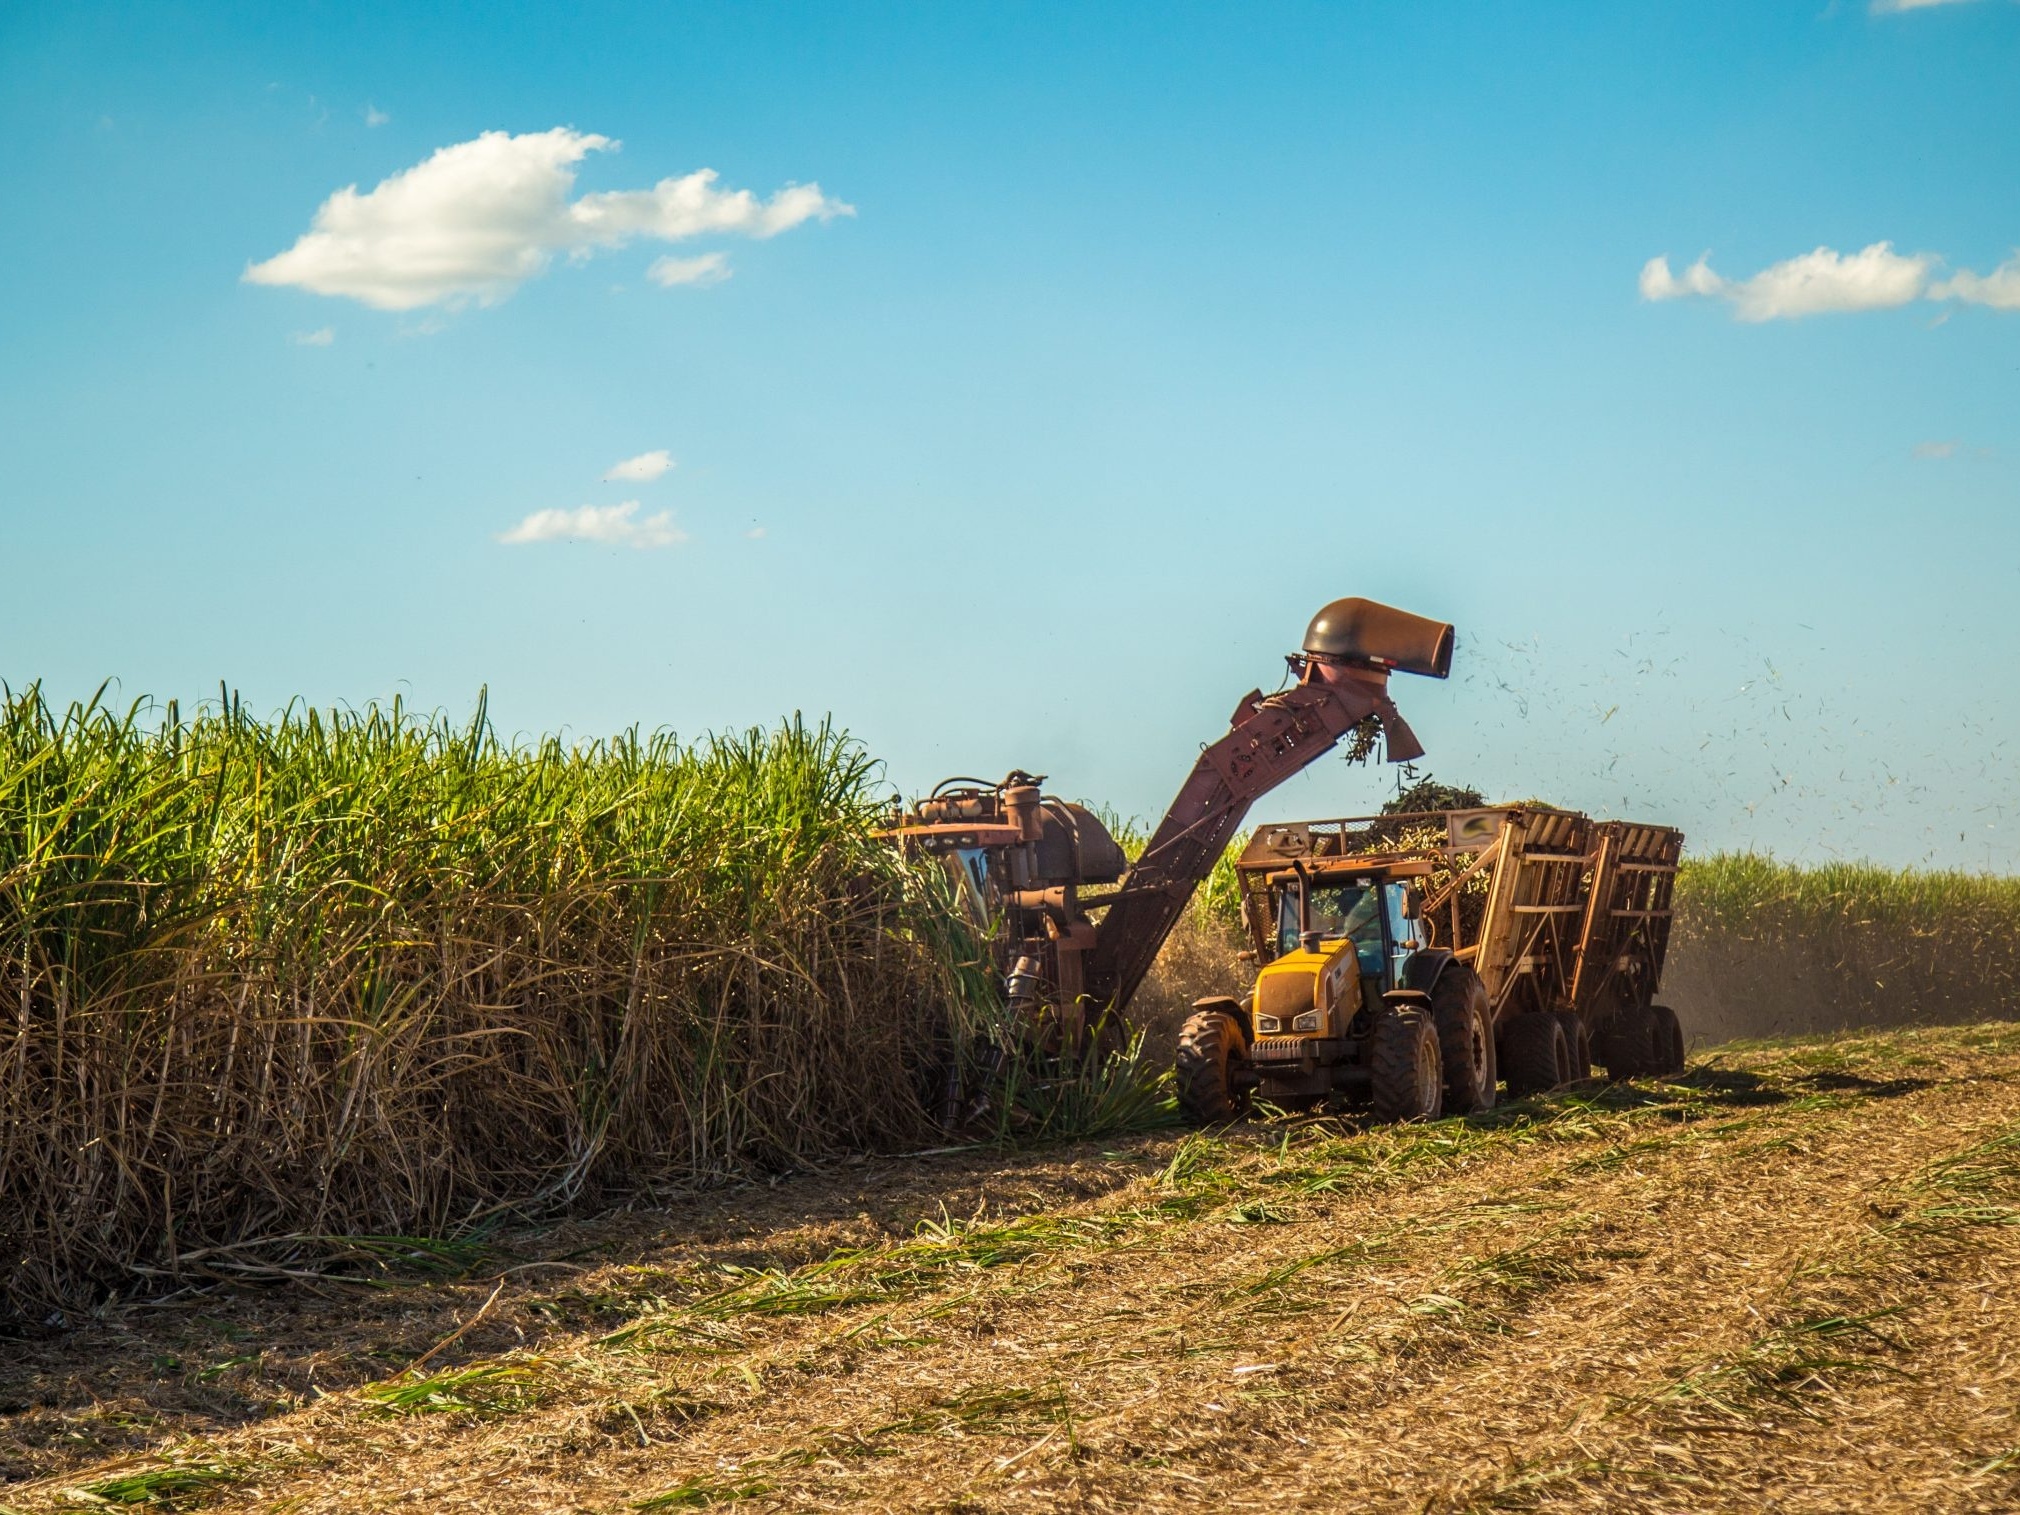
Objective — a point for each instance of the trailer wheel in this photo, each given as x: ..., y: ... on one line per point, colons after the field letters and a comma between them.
x: 1537, y: 1058
x: 1578, y: 1041
x: 1464, y: 1018
x: 1208, y: 1044
x: 1627, y: 1043
x: 1404, y: 1067
x: 1668, y: 1039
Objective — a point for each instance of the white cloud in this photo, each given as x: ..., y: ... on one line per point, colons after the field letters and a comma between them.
x: 1658, y: 283
x: 477, y: 219
x: 674, y: 209
x: 1937, y: 449
x: 644, y: 468
x: 1874, y: 278
x: 1895, y: 7
x: 756, y: 533
x: 322, y: 336
x: 473, y: 221
x: 709, y: 268
x: 374, y: 116
x: 617, y: 525
x: 1999, y: 289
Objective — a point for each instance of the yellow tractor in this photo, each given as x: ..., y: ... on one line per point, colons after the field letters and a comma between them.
x: 1351, y: 1000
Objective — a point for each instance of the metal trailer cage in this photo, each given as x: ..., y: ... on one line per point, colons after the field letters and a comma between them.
x: 1626, y: 936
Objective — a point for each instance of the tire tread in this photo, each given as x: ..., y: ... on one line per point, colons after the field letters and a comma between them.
x: 1533, y: 1049
x: 1207, y: 1043
x: 1403, y: 1036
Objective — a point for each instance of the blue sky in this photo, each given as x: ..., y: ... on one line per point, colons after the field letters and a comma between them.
x: 1113, y: 342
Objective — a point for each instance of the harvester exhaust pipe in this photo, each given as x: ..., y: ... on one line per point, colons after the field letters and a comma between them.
x: 1379, y: 636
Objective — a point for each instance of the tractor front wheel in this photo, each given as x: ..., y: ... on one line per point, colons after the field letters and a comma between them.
x: 1208, y: 1045
x: 1404, y: 1066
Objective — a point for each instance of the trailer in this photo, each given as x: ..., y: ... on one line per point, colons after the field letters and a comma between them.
x: 1416, y: 960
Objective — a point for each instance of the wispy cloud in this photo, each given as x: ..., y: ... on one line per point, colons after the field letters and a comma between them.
x: 1999, y: 289
x: 613, y: 525
x: 322, y: 336
x: 709, y: 268
x: 1874, y: 278
x: 1895, y: 7
x: 479, y: 218
x: 374, y: 116
x: 1658, y: 283
x: 1937, y: 450
x: 644, y: 468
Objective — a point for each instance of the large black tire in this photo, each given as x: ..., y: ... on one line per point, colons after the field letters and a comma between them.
x: 1627, y: 1042
x: 1534, y: 1053
x: 1405, y: 1069
x: 1578, y: 1042
x: 1463, y: 1016
x: 1668, y: 1041
x: 1208, y: 1044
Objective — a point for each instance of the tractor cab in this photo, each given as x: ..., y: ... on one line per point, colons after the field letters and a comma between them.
x: 1373, y: 912
x: 1342, y: 938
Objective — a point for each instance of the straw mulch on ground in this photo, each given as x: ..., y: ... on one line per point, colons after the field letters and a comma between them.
x: 1786, y: 1280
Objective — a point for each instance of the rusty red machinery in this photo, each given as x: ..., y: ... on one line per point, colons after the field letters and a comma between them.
x: 1074, y: 926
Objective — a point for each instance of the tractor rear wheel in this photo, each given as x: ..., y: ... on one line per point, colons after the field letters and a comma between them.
x: 1208, y: 1044
x: 1627, y: 1042
x: 1578, y: 1041
x: 1463, y: 1016
x: 1405, y: 1069
x: 1535, y: 1054
x: 1668, y: 1048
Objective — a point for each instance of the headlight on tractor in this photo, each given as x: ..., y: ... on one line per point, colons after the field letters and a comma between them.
x: 1309, y: 1021
x: 1268, y: 1025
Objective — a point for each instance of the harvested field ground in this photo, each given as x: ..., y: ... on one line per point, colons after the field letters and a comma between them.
x: 1786, y: 1280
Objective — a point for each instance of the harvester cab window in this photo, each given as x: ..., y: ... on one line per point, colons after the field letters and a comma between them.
x: 1338, y: 910
x: 971, y: 871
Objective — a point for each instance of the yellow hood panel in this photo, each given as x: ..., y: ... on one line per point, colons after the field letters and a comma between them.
x: 1301, y: 981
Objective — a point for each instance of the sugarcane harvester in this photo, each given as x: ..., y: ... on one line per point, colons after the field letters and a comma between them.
x: 1073, y: 927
